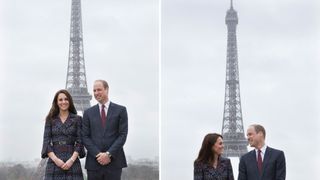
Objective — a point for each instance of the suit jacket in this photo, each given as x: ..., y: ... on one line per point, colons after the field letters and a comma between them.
x: 97, y: 139
x: 273, y: 166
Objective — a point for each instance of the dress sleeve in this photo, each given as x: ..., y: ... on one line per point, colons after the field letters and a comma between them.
x: 197, y: 171
x: 47, y: 137
x: 79, y: 145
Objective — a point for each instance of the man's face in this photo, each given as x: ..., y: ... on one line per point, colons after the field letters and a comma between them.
x: 253, y: 137
x: 100, y: 93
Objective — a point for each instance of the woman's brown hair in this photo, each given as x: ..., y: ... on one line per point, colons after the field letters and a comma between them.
x: 54, y: 110
x: 206, y: 155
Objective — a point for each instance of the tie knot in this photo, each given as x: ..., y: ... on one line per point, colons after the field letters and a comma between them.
x: 103, y: 106
x: 259, y: 151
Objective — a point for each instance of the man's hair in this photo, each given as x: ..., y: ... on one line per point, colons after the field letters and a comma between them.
x: 258, y: 128
x: 104, y: 83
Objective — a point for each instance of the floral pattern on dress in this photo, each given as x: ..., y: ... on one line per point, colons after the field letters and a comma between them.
x: 69, y: 133
x: 205, y: 171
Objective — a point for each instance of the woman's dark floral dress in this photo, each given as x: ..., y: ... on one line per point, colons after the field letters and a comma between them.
x: 63, y: 139
x: 205, y: 171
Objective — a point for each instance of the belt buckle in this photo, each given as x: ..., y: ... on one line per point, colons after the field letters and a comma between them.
x: 62, y: 142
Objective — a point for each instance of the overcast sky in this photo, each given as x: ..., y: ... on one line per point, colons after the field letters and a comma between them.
x: 120, y: 46
x: 278, y: 53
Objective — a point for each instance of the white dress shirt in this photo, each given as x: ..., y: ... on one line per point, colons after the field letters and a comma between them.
x: 263, y: 151
x: 106, y: 107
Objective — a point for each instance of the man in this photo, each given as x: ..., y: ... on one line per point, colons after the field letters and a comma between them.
x: 104, y: 132
x: 264, y: 162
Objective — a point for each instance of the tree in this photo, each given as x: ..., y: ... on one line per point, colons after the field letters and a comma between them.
x: 17, y: 172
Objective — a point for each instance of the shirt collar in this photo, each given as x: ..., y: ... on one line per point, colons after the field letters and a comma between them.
x: 263, y: 149
x: 106, y: 105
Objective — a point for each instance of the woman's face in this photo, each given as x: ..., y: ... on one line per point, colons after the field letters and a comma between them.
x: 218, y: 147
x: 63, y: 102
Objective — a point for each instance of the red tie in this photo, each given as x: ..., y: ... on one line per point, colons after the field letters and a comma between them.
x: 259, y: 161
x: 103, y: 116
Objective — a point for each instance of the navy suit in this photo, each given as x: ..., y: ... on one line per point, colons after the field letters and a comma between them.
x: 97, y: 139
x: 273, y: 166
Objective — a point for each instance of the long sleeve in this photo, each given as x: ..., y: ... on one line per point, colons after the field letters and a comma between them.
x: 197, y: 172
x: 281, y: 167
x: 93, y: 150
x: 242, y: 170
x: 78, y: 144
x: 47, y: 137
x: 123, y: 131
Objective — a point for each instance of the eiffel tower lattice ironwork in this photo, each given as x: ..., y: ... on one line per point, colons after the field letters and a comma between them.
x: 235, y: 142
x: 76, y: 82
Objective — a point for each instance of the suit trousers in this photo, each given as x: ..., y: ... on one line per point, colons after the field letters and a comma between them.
x: 105, y: 174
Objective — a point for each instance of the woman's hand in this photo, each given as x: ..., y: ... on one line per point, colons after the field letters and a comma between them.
x: 58, y: 162
x: 68, y: 164
x: 55, y: 159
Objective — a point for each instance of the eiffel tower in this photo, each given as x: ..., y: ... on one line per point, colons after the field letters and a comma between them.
x: 235, y: 142
x: 76, y: 82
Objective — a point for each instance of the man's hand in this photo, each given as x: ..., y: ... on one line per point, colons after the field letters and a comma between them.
x: 103, y: 158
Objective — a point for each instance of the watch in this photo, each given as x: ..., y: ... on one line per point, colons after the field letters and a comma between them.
x: 108, y: 154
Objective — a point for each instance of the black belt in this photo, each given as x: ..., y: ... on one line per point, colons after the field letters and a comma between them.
x: 63, y: 143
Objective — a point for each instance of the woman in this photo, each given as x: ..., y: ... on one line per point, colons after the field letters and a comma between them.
x: 210, y: 165
x: 62, y: 140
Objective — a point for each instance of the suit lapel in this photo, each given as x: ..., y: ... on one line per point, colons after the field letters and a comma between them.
x: 110, y: 110
x: 97, y: 118
x: 266, y: 159
x: 253, y: 159
x: 109, y: 113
